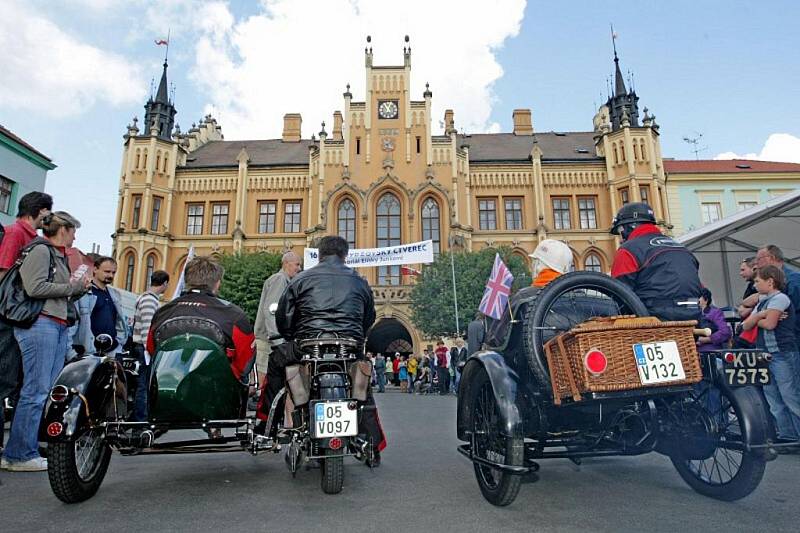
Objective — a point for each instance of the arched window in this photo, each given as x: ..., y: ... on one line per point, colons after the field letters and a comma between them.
x: 158, y: 160
x: 151, y: 266
x: 130, y: 265
x: 592, y: 263
x: 616, y: 156
x: 346, y: 221
x: 430, y: 223
x: 138, y: 158
x: 641, y: 149
x: 388, y: 234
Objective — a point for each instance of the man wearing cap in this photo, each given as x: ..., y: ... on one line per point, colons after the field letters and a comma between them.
x: 661, y: 271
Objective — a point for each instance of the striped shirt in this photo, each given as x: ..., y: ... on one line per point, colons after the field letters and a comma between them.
x: 146, y: 307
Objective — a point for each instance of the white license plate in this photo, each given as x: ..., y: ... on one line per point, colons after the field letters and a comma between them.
x: 658, y: 362
x: 334, y: 419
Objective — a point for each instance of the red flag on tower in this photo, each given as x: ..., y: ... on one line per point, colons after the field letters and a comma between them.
x: 162, y: 42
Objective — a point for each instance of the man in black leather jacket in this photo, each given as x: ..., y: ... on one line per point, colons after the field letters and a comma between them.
x: 328, y: 298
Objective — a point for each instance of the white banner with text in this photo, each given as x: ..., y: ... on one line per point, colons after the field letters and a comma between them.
x: 402, y: 254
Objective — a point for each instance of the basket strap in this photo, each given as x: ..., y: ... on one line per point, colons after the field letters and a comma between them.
x: 576, y: 395
x: 548, y: 352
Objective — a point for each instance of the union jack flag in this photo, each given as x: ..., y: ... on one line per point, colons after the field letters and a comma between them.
x: 498, y: 289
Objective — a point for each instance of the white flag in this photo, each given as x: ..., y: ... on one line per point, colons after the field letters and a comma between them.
x: 179, y: 286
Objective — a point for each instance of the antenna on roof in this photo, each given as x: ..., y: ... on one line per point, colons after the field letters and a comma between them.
x: 695, y: 143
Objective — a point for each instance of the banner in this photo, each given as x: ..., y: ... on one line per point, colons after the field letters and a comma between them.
x: 402, y: 254
x: 179, y: 286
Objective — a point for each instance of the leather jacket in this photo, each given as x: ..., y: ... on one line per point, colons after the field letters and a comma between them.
x: 328, y: 298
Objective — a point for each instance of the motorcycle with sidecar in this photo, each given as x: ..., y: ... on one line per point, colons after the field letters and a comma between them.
x: 572, y: 371
x: 191, y: 387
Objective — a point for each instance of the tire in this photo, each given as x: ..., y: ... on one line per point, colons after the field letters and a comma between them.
x: 578, y: 296
x: 743, y: 470
x: 332, y: 472
x: 500, y: 488
x: 72, y: 479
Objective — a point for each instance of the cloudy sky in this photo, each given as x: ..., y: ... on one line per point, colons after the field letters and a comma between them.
x: 75, y: 72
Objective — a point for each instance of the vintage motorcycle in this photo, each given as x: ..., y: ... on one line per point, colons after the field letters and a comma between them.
x: 542, y: 390
x: 87, y: 414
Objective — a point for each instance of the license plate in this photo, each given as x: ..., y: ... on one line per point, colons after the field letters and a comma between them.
x: 333, y: 419
x: 658, y: 362
x: 746, y: 368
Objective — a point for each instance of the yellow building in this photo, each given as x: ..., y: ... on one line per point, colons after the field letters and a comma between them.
x: 380, y: 177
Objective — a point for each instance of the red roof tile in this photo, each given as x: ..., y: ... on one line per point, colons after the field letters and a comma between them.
x: 725, y: 166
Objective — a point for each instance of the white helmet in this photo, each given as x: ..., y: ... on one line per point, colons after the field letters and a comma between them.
x: 553, y: 254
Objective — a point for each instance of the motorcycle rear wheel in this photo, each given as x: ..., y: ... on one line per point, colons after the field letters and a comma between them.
x: 499, y: 487
x: 728, y: 474
x: 76, y: 468
x: 332, y: 472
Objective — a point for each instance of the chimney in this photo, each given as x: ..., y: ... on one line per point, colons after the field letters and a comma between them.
x: 337, y: 126
x: 291, y: 127
x: 523, y: 125
x: 449, y: 122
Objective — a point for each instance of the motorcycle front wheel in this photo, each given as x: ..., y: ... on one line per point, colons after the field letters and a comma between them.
x: 728, y: 471
x: 332, y: 472
x: 77, y: 467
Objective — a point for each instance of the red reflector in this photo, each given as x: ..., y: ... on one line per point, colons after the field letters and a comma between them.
x: 55, y: 429
x: 595, y: 361
x: 335, y: 443
x: 729, y: 357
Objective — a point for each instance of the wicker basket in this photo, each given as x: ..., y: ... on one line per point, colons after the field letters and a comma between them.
x: 615, y: 337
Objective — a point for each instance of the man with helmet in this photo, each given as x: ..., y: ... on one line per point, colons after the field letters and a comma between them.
x: 661, y: 271
x: 550, y: 259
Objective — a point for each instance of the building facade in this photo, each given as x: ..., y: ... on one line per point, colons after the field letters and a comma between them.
x: 23, y: 169
x: 704, y: 191
x: 381, y: 176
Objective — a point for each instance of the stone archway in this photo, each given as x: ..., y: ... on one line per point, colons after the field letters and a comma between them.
x: 389, y: 335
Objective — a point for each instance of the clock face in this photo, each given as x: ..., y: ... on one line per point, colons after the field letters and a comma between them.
x: 387, y: 109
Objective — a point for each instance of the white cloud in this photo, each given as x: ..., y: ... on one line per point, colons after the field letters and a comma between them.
x: 297, y: 56
x: 779, y: 147
x: 48, y: 71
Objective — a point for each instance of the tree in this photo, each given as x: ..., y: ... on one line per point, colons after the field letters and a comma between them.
x: 244, y: 278
x: 432, y: 309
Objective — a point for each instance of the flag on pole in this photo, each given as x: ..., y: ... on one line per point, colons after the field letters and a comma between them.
x: 179, y: 286
x: 162, y: 42
x: 498, y: 289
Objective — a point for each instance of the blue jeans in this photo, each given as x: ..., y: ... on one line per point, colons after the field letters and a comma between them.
x: 381, y: 381
x: 142, y: 383
x: 456, y: 380
x: 44, y: 348
x: 783, y: 393
x: 411, y: 382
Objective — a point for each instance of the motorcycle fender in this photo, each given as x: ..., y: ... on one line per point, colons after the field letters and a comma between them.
x: 85, y: 379
x: 754, y: 409
x: 505, y: 385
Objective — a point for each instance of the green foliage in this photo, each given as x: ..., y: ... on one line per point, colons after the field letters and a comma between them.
x: 432, y: 308
x: 244, y: 278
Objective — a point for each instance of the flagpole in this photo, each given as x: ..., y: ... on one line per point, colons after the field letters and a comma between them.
x: 453, y: 272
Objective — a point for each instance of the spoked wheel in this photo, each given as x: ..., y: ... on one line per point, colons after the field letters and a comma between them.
x: 723, y: 469
x: 566, y: 302
x: 76, y: 468
x: 497, y: 486
x: 332, y: 472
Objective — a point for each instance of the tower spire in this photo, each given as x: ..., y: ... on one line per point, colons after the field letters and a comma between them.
x: 619, y: 82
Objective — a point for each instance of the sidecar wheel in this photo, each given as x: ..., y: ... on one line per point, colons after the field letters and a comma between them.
x: 77, y: 467
x: 332, y: 473
x: 727, y: 474
x: 498, y: 487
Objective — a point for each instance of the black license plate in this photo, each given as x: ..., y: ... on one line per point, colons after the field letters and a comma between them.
x: 746, y: 368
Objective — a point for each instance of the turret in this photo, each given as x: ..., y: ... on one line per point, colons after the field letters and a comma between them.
x: 159, y: 111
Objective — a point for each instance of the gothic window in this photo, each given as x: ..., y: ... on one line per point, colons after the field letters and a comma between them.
x: 138, y: 159
x: 616, y: 156
x: 156, y: 214
x: 166, y: 157
x: 130, y: 265
x: 144, y: 160
x: 430, y: 224
x: 194, y: 219
x: 587, y: 210
x: 487, y: 214
x: 592, y: 263
x: 513, y: 208
x: 561, y: 216
x: 151, y: 266
x: 642, y: 152
x: 158, y: 161
x: 266, y: 217
x: 346, y: 221
x: 291, y: 216
x: 137, y: 211
x: 219, y: 219
x: 388, y: 234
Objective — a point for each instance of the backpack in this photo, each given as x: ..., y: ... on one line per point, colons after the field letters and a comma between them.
x: 16, y: 307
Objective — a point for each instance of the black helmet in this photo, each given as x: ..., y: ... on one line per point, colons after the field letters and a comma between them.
x: 632, y: 214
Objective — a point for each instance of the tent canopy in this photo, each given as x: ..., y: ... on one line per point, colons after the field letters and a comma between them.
x: 721, y: 246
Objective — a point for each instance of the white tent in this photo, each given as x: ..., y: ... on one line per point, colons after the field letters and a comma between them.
x: 721, y: 246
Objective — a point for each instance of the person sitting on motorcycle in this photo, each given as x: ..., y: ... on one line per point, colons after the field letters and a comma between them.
x: 330, y: 298
x: 550, y: 259
x: 662, y: 272
x: 202, y: 278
